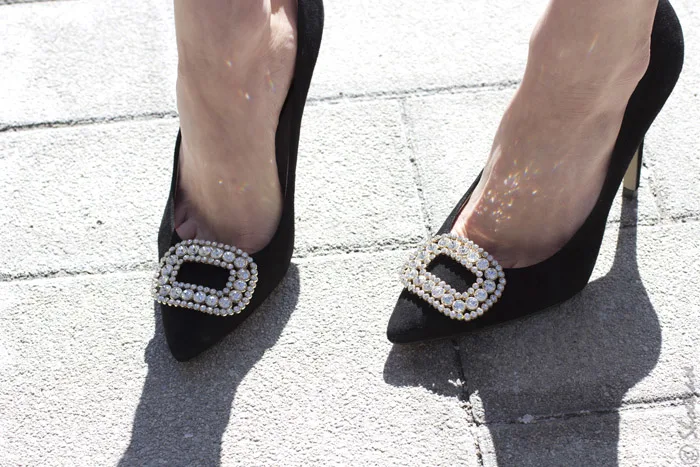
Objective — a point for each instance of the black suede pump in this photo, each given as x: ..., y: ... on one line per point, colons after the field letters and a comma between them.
x: 205, y: 290
x: 448, y: 292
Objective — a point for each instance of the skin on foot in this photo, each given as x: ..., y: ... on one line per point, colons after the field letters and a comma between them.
x: 552, y: 149
x: 236, y: 61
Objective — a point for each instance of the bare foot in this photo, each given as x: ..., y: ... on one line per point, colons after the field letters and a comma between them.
x: 236, y: 61
x: 552, y: 149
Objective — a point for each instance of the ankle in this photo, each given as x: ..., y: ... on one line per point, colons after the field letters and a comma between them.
x: 577, y: 49
x: 581, y: 86
x: 219, y: 38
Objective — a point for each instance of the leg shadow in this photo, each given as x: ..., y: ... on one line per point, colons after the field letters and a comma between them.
x: 185, y: 407
x: 529, y: 382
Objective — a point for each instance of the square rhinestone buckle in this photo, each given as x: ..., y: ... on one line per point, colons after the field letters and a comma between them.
x: 243, y: 277
x: 463, y: 306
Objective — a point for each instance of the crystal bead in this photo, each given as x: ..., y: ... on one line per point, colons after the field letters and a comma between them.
x: 205, y: 251
x: 199, y: 297
x: 459, y: 306
x: 240, y: 262
x: 180, y: 251
x: 187, y: 294
x: 472, y: 303
x: 472, y: 256
x: 489, y: 286
x: 448, y: 300
x: 482, y: 264
x: 243, y: 274
x: 491, y: 274
x: 236, y: 296
x: 239, y: 285
x: 192, y: 250
x: 438, y: 292
x: 481, y: 295
x: 167, y: 269
x: 217, y: 253
x: 229, y: 256
x: 212, y: 300
x: 175, y: 292
x: 225, y: 303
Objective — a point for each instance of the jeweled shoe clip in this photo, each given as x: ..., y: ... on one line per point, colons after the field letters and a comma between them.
x: 243, y: 277
x: 463, y: 306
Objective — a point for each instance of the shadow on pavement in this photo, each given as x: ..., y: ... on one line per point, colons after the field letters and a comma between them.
x: 185, y: 407
x: 530, y: 381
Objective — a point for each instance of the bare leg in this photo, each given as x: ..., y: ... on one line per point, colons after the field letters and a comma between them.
x: 236, y: 60
x: 551, y: 151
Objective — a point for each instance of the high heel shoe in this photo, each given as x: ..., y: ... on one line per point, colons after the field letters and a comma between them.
x: 206, y: 289
x: 453, y: 287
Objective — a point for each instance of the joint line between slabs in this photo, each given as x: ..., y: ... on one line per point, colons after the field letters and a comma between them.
x: 466, y: 403
x: 413, y: 160
x: 377, y: 95
x: 641, y: 406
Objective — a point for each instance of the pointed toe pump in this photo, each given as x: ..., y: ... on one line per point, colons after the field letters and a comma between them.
x: 453, y: 287
x: 205, y: 289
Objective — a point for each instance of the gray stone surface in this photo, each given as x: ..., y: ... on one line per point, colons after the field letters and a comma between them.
x: 649, y: 438
x: 404, y: 104
x: 81, y: 60
x: 302, y: 382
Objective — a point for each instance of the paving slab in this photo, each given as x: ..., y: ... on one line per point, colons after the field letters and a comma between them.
x: 627, y: 338
x: 634, y: 438
x: 451, y: 137
x: 391, y: 47
x: 355, y: 185
x: 90, y: 198
x: 308, y: 379
x: 83, y: 60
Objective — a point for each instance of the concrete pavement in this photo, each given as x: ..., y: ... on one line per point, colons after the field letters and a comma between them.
x: 405, y: 94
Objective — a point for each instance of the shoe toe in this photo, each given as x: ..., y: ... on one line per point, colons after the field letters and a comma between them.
x: 414, y: 320
x: 190, y: 332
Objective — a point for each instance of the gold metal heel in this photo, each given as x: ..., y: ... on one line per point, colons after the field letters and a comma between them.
x: 631, y: 181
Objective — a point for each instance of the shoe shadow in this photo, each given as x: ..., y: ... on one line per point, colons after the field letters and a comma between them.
x: 531, y: 382
x: 185, y: 407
